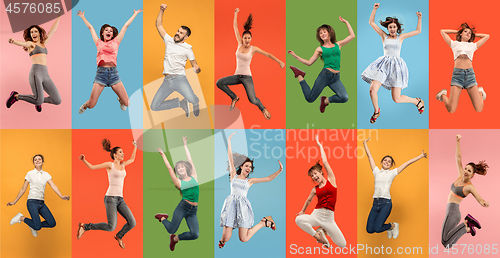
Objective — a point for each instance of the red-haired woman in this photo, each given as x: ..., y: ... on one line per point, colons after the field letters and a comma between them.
x: 463, y: 74
x: 390, y: 70
x: 329, y: 51
x: 35, y: 41
x: 243, y: 75
x: 453, y: 227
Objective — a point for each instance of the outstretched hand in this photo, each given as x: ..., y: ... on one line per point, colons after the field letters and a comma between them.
x: 134, y: 143
x: 342, y: 19
x: 237, y: 10
x: 163, y: 7
x: 458, y: 137
x: 424, y: 154
x: 317, y: 140
x: 230, y: 136
x: 486, y: 204
x: 367, y: 140
x: 160, y: 151
x: 300, y: 213
x: 137, y: 11
x: 82, y: 157
x: 376, y: 5
x: 10, y: 203
x: 419, y: 14
x: 281, y: 165
x: 282, y: 64
x: 291, y: 53
x: 185, y: 139
x: 80, y: 13
x: 65, y: 197
x: 11, y: 40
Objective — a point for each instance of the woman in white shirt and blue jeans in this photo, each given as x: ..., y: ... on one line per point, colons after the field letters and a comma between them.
x: 382, y: 204
x: 37, y: 179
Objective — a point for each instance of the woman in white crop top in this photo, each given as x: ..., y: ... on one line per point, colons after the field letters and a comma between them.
x: 37, y: 179
x: 382, y: 203
x: 113, y: 200
x: 463, y: 74
x: 243, y: 75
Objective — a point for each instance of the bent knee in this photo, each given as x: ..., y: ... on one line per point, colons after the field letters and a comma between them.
x: 125, y: 102
x: 56, y: 101
x: 344, y: 98
x: 452, y: 109
x: 51, y: 223
x: 91, y: 104
x: 37, y: 227
x: 370, y: 230
x: 195, y: 235
x: 342, y: 244
x: 132, y: 224
x: 219, y: 84
x: 244, y: 239
x: 396, y: 99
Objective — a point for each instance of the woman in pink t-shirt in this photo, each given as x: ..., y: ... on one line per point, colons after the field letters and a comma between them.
x: 107, y: 51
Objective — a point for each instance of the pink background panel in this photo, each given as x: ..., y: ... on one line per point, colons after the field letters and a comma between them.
x: 16, y: 65
x: 475, y: 145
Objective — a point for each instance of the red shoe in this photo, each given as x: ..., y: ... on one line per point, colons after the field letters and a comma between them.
x: 297, y: 71
x: 158, y: 216
x: 374, y: 117
x: 172, y: 242
x: 322, y: 106
x: 221, y: 244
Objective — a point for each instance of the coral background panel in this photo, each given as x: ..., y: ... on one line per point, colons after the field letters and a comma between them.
x: 269, y: 79
x: 18, y: 149
x: 409, y: 191
x: 302, y: 154
x: 89, y: 189
x: 441, y: 64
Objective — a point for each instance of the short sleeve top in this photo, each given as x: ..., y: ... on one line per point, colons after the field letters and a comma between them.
x: 176, y: 55
x: 37, y: 180
x: 383, y: 181
x: 463, y: 48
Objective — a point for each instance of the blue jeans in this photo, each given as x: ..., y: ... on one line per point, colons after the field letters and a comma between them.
x: 36, y: 209
x: 114, y: 204
x: 325, y: 78
x: 187, y: 211
x: 170, y: 84
x: 381, y: 210
x: 107, y: 76
x: 247, y: 82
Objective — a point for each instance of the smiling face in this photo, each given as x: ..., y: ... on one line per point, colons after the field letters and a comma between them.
x: 119, y: 154
x: 323, y: 34
x: 108, y: 34
x: 246, y: 168
x: 393, y: 29
x: 468, y: 172
x: 317, y: 176
x: 181, y: 170
x: 35, y: 34
x: 38, y: 161
x: 180, y: 35
x: 387, y: 163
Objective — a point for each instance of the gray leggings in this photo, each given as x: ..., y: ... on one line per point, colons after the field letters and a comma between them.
x: 114, y: 204
x: 247, y: 82
x: 453, y: 229
x: 40, y: 81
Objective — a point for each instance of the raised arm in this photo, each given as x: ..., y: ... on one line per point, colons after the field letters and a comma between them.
x: 235, y: 26
x: 415, y: 32
x: 159, y: 21
x: 458, y: 156
x: 267, y: 178
x: 188, y: 155
x: 260, y: 51
x: 330, y: 175
x: 411, y: 161
x: 95, y: 38
x: 132, y: 158
x: 232, y: 169
x: 195, y: 66
x: 106, y: 165
x: 351, y: 33
x: 476, y: 195
x: 311, y: 60
x: 484, y: 38
x: 56, y: 190
x: 308, y: 201
x: 375, y: 27
x: 368, y: 154
x: 24, y: 44
x: 53, y: 28
x: 125, y: 26
x: 20, y: 194
x: 171, y: 172
x: 446, y: 37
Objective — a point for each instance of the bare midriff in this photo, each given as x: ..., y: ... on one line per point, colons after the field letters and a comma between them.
x: 463, y: 62
x: 453, y: 198
x: 106, y: 64
x: 40, y: 59
x: 333, y: 71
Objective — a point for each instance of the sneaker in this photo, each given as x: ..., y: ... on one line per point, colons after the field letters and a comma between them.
x: 440, y: 95
x: 172, y: 242
x: 196, y: 110
x: 481, y: 90
x: 389, y: 233
x: 16, y: 219
x: 472, y: 221
x: 12, y: 99
x: 34, y: 233
x: 122, y: 106
x: 297, y: 71
x: 38, y: 108
x: 185, y: 105
x: 158, y: 216
x: 322, y: 236
x: 82, y: 108
x: 120, y: 242
x: 80, y: 231
x: 395, y: 230
x: 472, y: 230
x: 322, y: 105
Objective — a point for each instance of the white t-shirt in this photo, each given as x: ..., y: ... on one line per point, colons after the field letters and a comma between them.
x: 383, y: 181
x: 463, y: 48
x: 37, y: 180
x: 176, y: 55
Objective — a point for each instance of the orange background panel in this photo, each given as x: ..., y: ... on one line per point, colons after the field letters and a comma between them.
x: 302, y: 153
x: 409, y: 191
x: 18, y: 149
x: 89, y: 188
x: 449, y: 15
x: 269, y: 79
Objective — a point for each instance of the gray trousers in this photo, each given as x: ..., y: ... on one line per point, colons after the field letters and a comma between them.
x: 114, y: 204
x: 453, y: 229
x: 247, y: 82
x: 40, y: 81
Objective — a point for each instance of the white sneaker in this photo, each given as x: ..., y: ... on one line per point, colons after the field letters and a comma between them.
x: 389, y: 233
x: 33, y: 232
x: 395, y: 230
x: 82, y: 108
x: 122, y: 106
x: 440, y: 94
x: 16, y: 219
x: 322, y: 236
x: 481, y: 90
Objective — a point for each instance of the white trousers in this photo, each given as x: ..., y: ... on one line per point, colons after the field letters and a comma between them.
x: 325, y: 219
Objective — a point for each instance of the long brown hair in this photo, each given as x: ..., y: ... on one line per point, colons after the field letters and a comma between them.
x: 106, y: 145
x: 389, y: 20
x: 103, y: 27
x: 480, y: 168
x: 330, y: 31
x: 248, y: 25
x: 27, y: 34
x: 462, y: 28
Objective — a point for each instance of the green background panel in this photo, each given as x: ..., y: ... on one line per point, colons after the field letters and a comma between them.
x: 161, y: 196
x: 302, y: 20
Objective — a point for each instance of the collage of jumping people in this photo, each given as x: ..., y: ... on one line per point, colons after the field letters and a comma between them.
x: 145, y: 128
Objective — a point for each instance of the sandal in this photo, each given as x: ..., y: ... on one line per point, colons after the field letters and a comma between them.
x: 221, y: 244
x: 270, y: 219
x: 420, y: 108
x: 374, y: 117
x: 80, y: 231
x: 233, y: 103
x: 266, y: 114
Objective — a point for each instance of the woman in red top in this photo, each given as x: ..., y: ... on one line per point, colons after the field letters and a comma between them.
x: 323, y: 214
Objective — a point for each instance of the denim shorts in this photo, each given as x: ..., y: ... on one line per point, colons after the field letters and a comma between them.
x: 107, y: 76
x: 464, y: 78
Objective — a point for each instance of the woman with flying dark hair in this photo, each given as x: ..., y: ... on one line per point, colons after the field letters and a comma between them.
x: 243, y: 75
x: 113, y: 200
x: 324, y: 212
x: 35, y: 41
x: 186, y: 181
x: 463, y: 73
x: 382, y: 203
x: 390, y: 70
x: 329, y: 51
x: 107, y: 51
x: 237, y: 211
x: 37, y: 180
x: 453, y: 228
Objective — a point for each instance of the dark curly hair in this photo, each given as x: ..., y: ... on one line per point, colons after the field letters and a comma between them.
x: 480, y: 168
x: 27, y: 34
x: 389, y: 20
x: 106, y: 145
x: 103, y: 27
x: 317, y: 167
